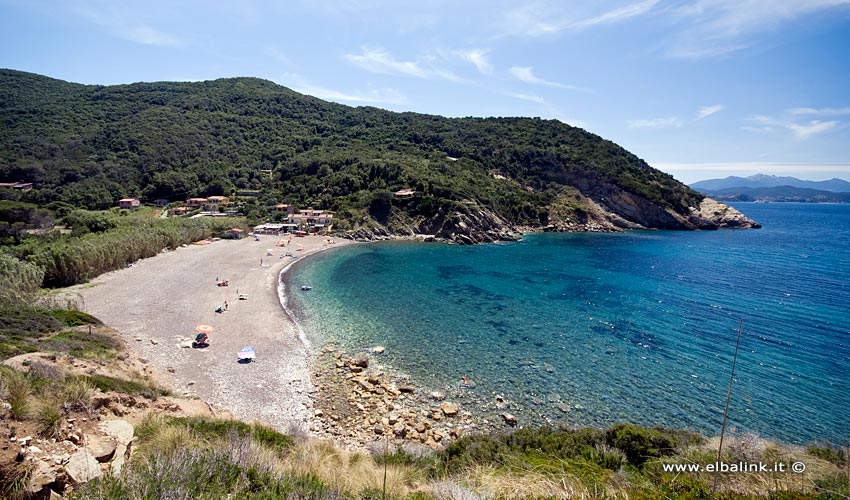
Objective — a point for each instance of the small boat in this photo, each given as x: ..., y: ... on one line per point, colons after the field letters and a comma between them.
x: 306, y: 288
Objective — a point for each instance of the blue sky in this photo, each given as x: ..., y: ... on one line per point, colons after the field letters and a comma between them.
x: 698, y: 88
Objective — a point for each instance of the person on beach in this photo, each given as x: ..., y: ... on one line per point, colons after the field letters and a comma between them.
x: 225, y: 305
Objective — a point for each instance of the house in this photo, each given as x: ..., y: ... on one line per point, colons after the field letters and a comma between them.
x: 128, y: 203
x: 179, y: 211
x: 269, y: 229
x: 214, y: 202
x: 233, y: 234
x: 324, y: 219
x: 310, y: 217
x: 196, y: 202
x: 404, y: 193
x: 17, y: 186
x: 290, y: 209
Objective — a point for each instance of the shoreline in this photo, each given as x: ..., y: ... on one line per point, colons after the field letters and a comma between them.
x: 157, y: 303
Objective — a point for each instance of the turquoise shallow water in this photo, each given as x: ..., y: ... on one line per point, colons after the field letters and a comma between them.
x: 591, y: 329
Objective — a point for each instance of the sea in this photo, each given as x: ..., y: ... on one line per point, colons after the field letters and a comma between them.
x: 591, y: 329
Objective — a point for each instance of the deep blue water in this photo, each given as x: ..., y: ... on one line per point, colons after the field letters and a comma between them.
x: 591, y: 329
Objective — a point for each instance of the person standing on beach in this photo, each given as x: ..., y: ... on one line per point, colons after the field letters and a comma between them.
x: 225, y: 305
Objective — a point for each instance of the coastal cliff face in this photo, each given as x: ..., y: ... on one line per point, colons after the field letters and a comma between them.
x: 617, y: 211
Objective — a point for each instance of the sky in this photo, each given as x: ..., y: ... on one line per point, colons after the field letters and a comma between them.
x: 698, y: 88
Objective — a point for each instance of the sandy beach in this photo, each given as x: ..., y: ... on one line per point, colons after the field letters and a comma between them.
x: 157, y: 303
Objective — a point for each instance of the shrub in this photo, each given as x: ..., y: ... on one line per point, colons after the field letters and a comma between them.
x: 21, y: 327
x: 640, y: 444
x: 21, y: 280
x: 82, y: 344
x: 133, y: 388
x: 213, y: 428
x: 828, y: 452
x: 74, y: 318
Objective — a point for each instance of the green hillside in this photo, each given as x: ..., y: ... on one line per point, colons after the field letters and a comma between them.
x: 89, y: 146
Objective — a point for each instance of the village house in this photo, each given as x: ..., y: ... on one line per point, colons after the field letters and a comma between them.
x: 128, y: 203
x: 214, y: 202
x: 310, y: 217
x: 289, y: 209
x: 196, y: 202
x: 276, y: 229
x: 179, y: 211
x: 17, y: 186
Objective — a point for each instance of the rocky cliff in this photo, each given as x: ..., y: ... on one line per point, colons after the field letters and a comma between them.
x: 605, y: 208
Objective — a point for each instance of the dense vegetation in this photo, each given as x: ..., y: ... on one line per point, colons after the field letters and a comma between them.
x: 186, y: 458
x: 88, y: 146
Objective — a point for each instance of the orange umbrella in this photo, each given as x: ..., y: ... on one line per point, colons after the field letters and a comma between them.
x: 204, y: 329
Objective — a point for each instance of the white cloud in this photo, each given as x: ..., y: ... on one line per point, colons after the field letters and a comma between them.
x: 530, y: 20
x: 526, y: 97
x: 378, y: 60
x: 801, y: 130
x: 814, y: 127
x: 706, y: 111
x: 526, y: 74
x: 668, y: 122
x: 820, y: 112
x: 617, y: 15
x: 148, y: 35
x: 536, y: 20
x: 478, y: 57
x: 375, y: 96
x: 124, y: 24
x: 715, y: 28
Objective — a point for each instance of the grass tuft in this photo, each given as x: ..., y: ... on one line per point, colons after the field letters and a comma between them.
x: 49, y: 416
x: 76, y: 394
x: 16, y: 388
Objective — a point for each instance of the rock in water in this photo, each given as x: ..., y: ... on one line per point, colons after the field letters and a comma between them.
x: 449, y: 409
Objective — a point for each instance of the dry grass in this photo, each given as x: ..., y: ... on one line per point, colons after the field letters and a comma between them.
x: 16, y: 388
x: 500, y: 483
x: 170, y: 438
x: 76, y: 394
x: 49, y: 416
x: 446, y: 490
x: 349, y: 471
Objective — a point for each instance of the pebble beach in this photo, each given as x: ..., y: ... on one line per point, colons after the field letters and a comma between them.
x: 157, y: 303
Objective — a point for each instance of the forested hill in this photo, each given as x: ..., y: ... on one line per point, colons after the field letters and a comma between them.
x: 474, y: 179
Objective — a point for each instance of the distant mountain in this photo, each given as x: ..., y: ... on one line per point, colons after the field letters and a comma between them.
x: 778, y: 194
x: 767, y: 181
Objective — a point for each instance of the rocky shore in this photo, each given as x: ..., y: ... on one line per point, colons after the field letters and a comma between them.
x: 607, y: 210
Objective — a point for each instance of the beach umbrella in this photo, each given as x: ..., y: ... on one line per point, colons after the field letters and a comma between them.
x: 247, y: 353
x: 204, y: 329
